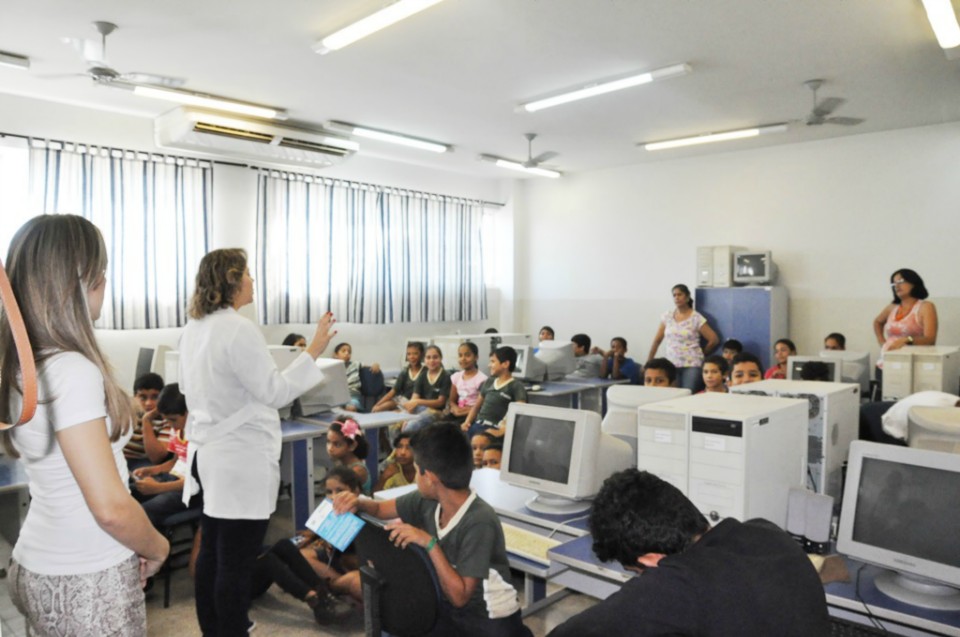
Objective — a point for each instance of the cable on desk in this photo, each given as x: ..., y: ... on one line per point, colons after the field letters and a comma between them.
x: 856, y: 591
x: 557, y: 526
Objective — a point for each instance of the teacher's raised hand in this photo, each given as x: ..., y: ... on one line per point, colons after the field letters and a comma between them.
x: 323, y: 335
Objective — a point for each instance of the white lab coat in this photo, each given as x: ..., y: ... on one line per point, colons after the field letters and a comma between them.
x: 233, y: 390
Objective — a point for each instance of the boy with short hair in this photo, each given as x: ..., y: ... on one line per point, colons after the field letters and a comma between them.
x: 745, y: 369
x: 659, y: 372
x: 146, y: 445
x: 835, y: 341
x: 616, y: 365
x: 460, y: 533
x: 588, y: 363
x: 492, y: 456
x: 163, y: 483
x: 731, y: 347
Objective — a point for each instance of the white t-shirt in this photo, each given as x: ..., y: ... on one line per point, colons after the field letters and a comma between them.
x: 895, y: 418
x: 60, y: 535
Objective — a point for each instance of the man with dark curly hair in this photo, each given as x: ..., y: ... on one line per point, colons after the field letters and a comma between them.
x: 735, y: 579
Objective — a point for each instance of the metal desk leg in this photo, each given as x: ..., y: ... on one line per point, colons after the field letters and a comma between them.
x: 535, y: 594
x: 301, y: 488
x: 373, y: 453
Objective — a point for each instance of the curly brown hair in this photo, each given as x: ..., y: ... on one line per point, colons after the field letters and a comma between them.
x: 218, y: 280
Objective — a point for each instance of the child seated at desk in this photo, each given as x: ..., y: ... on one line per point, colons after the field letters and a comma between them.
x: 402, y: 389
x: 496, y: 394
x: 146, y: 445
x: 466, y: 383
x: 344, y: 351
x: 460, y: 533
x: 492, y: 456
x: 659, y: 372
x: 588, y: 361
x: 347, y: 447
x: 616, y: 365
x: 430, y: 392
x: 714, y: 374
x: 478, y: 444
x: 162, y: 484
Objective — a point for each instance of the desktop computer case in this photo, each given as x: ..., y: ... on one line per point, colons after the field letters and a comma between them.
x: 733, y: 455
x: 909, y: 370
x: 833, y: 423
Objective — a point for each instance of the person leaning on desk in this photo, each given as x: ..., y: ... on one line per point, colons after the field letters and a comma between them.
x: 735, y: 579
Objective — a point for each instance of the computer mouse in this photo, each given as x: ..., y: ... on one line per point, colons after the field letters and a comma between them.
x: 535, y: 387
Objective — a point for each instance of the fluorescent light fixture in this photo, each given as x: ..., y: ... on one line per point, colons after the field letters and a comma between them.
x: 708, y: 138
x: 383, y: 18
x: 204, y: 100
x: 943, y: 19
x: 386, y: 136
x: 14, y: 60
x: 599, y: 88
x: 515, y: 165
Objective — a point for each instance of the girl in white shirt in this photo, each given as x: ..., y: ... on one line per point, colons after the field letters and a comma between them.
x: 85, y: 542
x: 233, y: 391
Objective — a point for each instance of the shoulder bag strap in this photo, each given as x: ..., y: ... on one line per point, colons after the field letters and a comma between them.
x: 28, y: 366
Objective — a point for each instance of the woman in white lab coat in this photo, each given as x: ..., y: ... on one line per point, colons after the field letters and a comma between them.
x: 233, y: 390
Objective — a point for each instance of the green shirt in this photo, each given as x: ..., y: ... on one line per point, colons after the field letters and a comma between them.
x: 431, y: 391
x: 403, y: 386
x: 473, y: 544
x: 497, y: 401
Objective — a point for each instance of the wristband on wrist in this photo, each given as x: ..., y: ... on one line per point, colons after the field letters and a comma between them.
x: 432, y: 543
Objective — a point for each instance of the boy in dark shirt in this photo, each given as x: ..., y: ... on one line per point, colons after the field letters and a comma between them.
x: 735, y: 579
x: 460, y: 533
x: 496, y: 394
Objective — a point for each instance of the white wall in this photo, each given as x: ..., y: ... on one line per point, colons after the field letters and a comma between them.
x: 605, y: 247
x: 234, y: 222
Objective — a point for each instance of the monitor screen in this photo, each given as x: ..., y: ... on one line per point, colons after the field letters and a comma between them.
x: 542, y: 448
x: 795, y: 365
x: 901, y: 511
x: 752, y: 267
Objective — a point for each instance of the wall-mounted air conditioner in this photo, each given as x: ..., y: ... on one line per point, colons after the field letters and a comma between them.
x: 241, y: 138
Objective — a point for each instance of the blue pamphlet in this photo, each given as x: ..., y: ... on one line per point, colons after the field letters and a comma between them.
x: 338, y: 530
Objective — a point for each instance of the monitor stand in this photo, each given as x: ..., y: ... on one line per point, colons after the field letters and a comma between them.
x: 917, y: 591
x: 555, y: 505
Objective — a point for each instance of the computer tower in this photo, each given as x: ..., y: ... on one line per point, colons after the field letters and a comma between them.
x: 733, y: 455
x: 715, y: 266
x: 833, y: 422
x: 920, y: 368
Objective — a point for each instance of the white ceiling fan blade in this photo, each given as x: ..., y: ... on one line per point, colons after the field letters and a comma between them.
x: 544, y: 156
x: 827, y: 105
x: 153, y: 79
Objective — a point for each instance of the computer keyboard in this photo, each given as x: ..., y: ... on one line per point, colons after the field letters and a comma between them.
x: 528, y: 544
x: 846, y: 628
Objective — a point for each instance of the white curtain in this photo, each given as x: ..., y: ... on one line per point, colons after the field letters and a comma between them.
x: 153, y: 211
x: 366, y: 253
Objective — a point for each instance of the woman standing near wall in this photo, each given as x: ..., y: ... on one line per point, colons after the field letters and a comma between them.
x: 909, y: 320
x: 233, y: 391
x: 682, y: 328
x: 86, y: 546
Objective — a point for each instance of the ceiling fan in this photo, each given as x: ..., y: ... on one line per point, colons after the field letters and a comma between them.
x: 820, y: 113
x: 534, y: 162
x: 99, y: 70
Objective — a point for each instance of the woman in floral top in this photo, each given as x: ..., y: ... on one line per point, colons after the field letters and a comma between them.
x: 682, y: 328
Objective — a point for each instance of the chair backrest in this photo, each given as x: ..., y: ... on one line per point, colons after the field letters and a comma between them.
x: 371, y: 383
x: 934, y: 428
x: 409, y: 594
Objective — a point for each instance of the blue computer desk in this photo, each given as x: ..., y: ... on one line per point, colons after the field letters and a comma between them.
x: 844, y: 599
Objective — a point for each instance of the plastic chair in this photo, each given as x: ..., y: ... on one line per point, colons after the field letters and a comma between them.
x: 179, y: 547
x: 401, y: 594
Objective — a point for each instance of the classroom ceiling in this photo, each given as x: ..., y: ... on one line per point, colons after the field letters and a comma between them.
x: 455, y: 72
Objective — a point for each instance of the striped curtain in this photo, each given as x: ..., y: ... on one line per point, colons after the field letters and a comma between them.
x: 153, y: 211
x: 366, y: 253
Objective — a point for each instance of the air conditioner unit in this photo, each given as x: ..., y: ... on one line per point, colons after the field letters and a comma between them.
x: 212, y: 133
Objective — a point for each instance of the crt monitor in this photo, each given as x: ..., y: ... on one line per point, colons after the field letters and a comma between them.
x: 855, y: 367
x: 529, y: 367
x: 753, y: 267
x: 331, y: 392
x: 795, y: 367
x: 901, y: 511
x: 561, y: 454
x: 558, y: 358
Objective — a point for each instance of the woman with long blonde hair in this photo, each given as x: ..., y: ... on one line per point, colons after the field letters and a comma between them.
x: 233, y: 390
x: 86, y: 546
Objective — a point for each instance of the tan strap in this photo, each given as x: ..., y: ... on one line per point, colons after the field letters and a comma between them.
x: 28, y: 366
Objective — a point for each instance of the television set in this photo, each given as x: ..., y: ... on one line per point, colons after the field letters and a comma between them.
x: 529, y: 367
x: 331, y: 392
x: 558, y: 359
x: 795, y: 366
x: 855, y: 367
x: 901, y: 512
x: 562, y: 454
x: 753, y: 268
